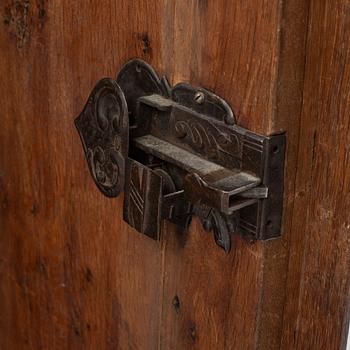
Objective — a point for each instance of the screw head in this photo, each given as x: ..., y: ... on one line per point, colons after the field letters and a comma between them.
x: 199, y: 97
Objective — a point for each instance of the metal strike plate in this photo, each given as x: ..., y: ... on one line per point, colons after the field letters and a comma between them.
x: 178, y: 152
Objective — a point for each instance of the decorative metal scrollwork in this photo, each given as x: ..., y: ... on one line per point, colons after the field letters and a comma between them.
x: 104, y: 129
x: 208, y: 140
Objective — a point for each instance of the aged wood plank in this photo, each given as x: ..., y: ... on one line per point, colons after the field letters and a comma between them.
x: 289, y: 93
x: 252, y: 54
x: 72, y: 274
x: 317, y: 307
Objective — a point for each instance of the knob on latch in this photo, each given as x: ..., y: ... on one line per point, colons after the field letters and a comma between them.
x: 178, y: 152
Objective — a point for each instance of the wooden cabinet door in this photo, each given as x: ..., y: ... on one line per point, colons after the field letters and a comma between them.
x: 73, y: 275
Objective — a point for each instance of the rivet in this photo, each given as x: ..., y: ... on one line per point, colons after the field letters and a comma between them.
x: 269, y: 224
x: 275, y: 149
x: 207, y: 225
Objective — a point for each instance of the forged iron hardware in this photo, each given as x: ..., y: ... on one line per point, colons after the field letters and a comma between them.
x: 177, y: 152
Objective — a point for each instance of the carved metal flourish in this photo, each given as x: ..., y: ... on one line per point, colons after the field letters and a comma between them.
x: 220, y: 225
x: 207, y: 139
x: 103, y: 128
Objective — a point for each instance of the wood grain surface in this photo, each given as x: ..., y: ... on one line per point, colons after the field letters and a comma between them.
x: 73, y: 275
x: 316, y: 313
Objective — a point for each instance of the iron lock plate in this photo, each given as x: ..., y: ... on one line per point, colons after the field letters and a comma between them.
x: 178, y: 152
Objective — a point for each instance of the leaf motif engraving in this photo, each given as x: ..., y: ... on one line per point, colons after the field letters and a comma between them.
x: 207, y: 138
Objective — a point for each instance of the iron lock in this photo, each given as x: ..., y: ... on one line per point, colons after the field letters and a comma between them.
x: 178, y: 152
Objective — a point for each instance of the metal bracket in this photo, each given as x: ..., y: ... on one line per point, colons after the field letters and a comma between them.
x: 178, y: 152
